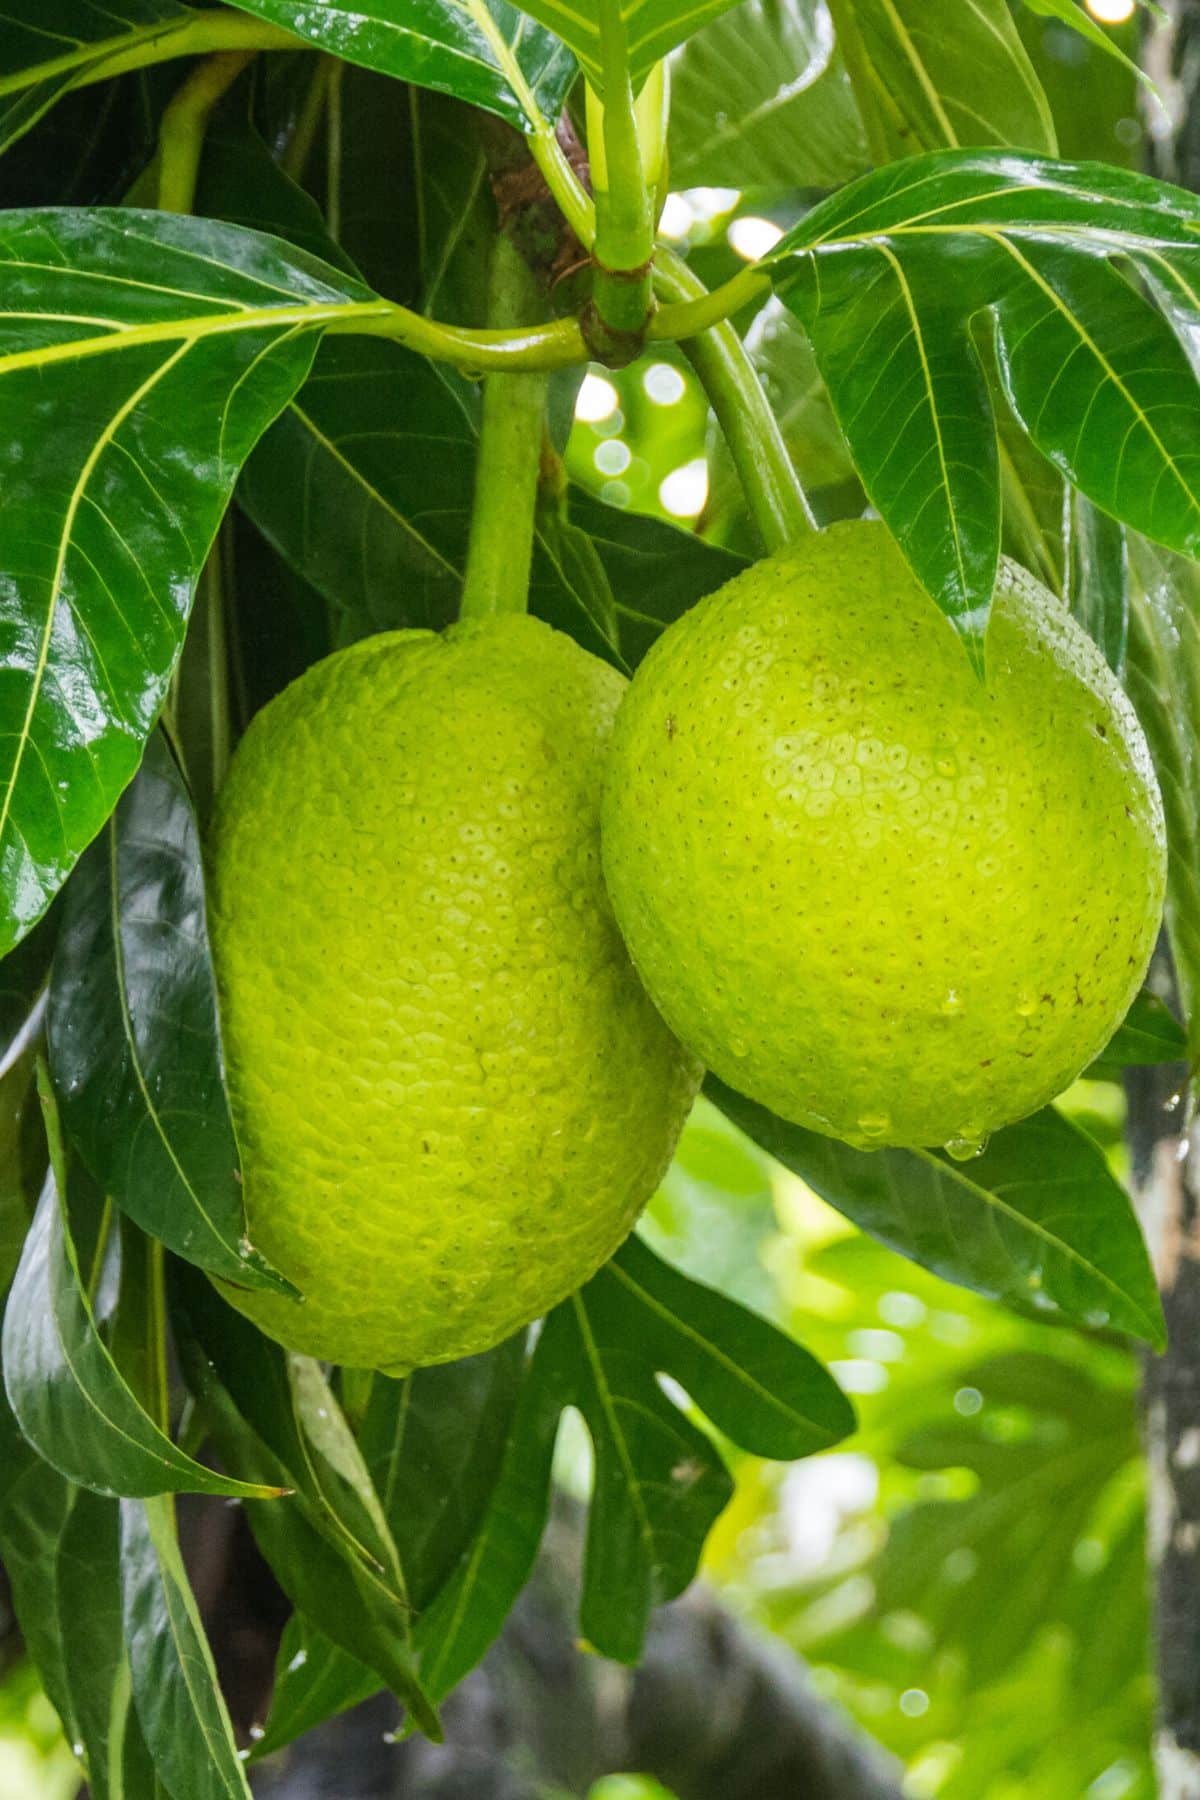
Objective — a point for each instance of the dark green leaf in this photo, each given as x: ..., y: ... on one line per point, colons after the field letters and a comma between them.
x: 70, y: 1398
x: 48, y: 46
x: 1088, y: 361
x: 433, y: 1444
x: 22, y: 1157
x: 454, y: 1632
x: 314, y: 1680
x: 328, y: 1574
x: 141, y: 355
x: 483, y: 51
x: 1038, y: 1219
x: 23, y: 974
x: 756, y: 1385
x: 59, y: 1545
x: 656, y: 571
x: 760, y: 99
x: 1150, y: 1033
x: 659, y: 1482
x: 179, y: 1702
x: 380, y: 444
x: 365, y: 483
x: 132, y: 1030
x: 1097, y: 588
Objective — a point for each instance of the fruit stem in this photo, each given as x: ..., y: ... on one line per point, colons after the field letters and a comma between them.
x: 184, y: 123
x: 500, y: 549
x: 773, y: 491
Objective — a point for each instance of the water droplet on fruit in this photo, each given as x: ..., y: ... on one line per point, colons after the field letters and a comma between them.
x: 739, y: 1046
x: 875, y: 1126
x: 966, y: 1146
x: 1026, y: 1004
x: 952, y: 1003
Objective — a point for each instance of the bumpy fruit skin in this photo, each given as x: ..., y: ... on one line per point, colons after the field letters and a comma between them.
x: 451, y: 1092
x: 888, y: 901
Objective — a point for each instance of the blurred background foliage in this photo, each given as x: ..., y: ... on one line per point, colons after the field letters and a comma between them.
x: 967, y: 1579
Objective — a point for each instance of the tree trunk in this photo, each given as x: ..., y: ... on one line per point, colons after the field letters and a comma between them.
x: 1166, y: 1167
x: 1167, y: 1183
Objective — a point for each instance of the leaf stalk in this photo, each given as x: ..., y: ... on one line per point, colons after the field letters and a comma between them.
x: 184, y: 123
x: 773, y: 491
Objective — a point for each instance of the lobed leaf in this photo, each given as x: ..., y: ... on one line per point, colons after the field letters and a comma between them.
x: 659, y: 1482
x: 141, y: 355
x: 132, y: 1030
x: 956, y: 73
x: 1038, y: 1219
x: 1095, y: 368
x: 485, y: 52
x: 48, y: 46
x: 760, y: 98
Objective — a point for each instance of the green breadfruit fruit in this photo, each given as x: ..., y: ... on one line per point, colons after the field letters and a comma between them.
x: 452, y: 1094
x: 892, y: 902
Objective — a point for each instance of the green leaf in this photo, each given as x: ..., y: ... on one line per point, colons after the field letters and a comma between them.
x: 339, y: 1472
x: 22, y: 1149
x: 1089, y: 362
x: 760, y: 99
x: 380, y: 444
x: 1163, y: 678
x: 957, y: 73
x: 314, y: 1681
x: 1097, y: 586
x: 485, y: 52
x: 1035, y: 1495
x: 1076, y: 15
x: 23, y: 975
x: 175, y: 1688
x: 59, y: 1545
x: 329, y: 1575
x: 1150, y: 1033
x: 141, y: 355
x: 784, y: 362
x: 48, y: 46
x: 1038, y: 1219
x: 71, y: 1400
x: 659, y: 1482
x: 132, y: 1030
x: 433, y: 1444
x: 647, y: 29
x: 656, y: 571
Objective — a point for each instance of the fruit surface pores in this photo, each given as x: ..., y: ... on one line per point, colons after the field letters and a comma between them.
x: 452, y: 1095
x: 891, y: 902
